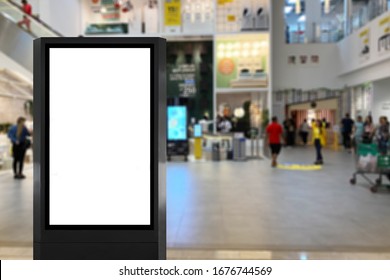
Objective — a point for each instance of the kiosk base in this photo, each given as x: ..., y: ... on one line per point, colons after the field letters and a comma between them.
x: 96, y: 251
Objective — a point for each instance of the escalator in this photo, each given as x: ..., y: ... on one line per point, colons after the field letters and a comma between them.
x: 16, y: 42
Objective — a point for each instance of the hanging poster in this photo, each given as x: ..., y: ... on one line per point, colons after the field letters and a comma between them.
x: 172, y: 12
x: 364, y: 45
x: 384, y: 39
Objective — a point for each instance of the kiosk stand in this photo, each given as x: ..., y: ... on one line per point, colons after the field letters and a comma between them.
x: 99, y: 148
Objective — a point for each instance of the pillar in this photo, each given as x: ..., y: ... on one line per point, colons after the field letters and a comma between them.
x: 313, y: 18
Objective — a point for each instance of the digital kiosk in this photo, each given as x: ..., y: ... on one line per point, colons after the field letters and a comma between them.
x: 99, y: 148
x: 177, y: 141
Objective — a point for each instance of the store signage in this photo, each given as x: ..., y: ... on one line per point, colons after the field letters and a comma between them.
x: 185, y: 75
x: 384, y: 39
x: 172, y: 10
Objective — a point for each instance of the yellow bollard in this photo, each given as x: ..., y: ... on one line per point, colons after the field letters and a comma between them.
x: 335, y: 141
x: 198, y: 148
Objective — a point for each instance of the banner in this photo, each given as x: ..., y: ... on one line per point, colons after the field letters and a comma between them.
x: 172, y: 11
x: 384, y: 39
x: 364, y: 45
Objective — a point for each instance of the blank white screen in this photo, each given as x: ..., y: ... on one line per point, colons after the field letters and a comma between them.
x: 99, y: 136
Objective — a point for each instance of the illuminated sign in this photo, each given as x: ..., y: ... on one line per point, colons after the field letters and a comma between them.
x: 177, y: 123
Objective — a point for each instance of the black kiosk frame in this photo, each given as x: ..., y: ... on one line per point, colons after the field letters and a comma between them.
x: 94, y: 242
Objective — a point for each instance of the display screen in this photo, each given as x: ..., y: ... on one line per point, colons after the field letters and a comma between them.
x: 197, y: 130
x: 99, y: 136
x: 177, y: 123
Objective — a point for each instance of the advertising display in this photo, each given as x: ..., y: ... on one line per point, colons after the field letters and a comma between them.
x: 124, y: 204
x: 364, y: 42
x: 242, y: 61
x: 99, y: 148
x: 120, y: 17
x: 197, y: 131
x: 242, y: 15
x: 190, y: 75
x: 177, y: 123
x: 172, y: 15
x: 384, y: 39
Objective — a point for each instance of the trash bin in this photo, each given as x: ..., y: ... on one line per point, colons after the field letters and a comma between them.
x: 239, y: 149
x: 216, y: 152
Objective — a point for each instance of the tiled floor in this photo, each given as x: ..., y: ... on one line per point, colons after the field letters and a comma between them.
x: 245, y: 210
x: 248, y: 205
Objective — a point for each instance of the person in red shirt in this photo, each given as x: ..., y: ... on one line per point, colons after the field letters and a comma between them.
x: 27, y: 9
x: 274, y: 135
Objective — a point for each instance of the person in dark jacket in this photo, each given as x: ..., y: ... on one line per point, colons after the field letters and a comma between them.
x: 18, y: 135
x: 347, y: 126
x: 383, y: 135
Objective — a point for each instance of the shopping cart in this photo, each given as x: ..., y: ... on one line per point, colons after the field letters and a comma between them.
x: 383, y: 170
x: 369, y: 161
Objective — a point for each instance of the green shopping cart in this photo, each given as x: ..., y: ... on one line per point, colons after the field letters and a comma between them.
x: 369, y: 161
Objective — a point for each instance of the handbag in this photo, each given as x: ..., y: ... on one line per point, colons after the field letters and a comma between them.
x: 27, y: 144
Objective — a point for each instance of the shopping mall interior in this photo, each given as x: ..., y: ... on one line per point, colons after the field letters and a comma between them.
x: 231, y: 66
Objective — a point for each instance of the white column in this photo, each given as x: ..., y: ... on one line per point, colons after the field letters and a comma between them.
x: 347, y: 16
x: 313, y: 18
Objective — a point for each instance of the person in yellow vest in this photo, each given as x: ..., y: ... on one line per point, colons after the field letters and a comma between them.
x: 318, y: 140
x: 324, y: 132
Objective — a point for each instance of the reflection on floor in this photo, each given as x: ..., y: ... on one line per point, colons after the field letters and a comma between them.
x: 234, y: 210
x: 249, y: 206
x: 179, y: 254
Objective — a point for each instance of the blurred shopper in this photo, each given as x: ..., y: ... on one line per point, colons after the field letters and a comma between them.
x: 27, y: 9
x: 290, y: 129
x: 318, y: 140
x: 18, y: 136
x: 325, y: 126
x: 346, y: 127
x: 205, y: 123
x: 358, y: 130
x: 225, y: 126
x: 368, y: 130
x: 287, y: 34
x: 304, y: 131
x: 382, y: 135
x: 274, y: 134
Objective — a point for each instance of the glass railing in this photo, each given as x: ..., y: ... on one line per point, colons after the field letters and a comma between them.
x: 332, y: 31
x: 367, y: 13
x: 323, y: 32
x: 13, y: 12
